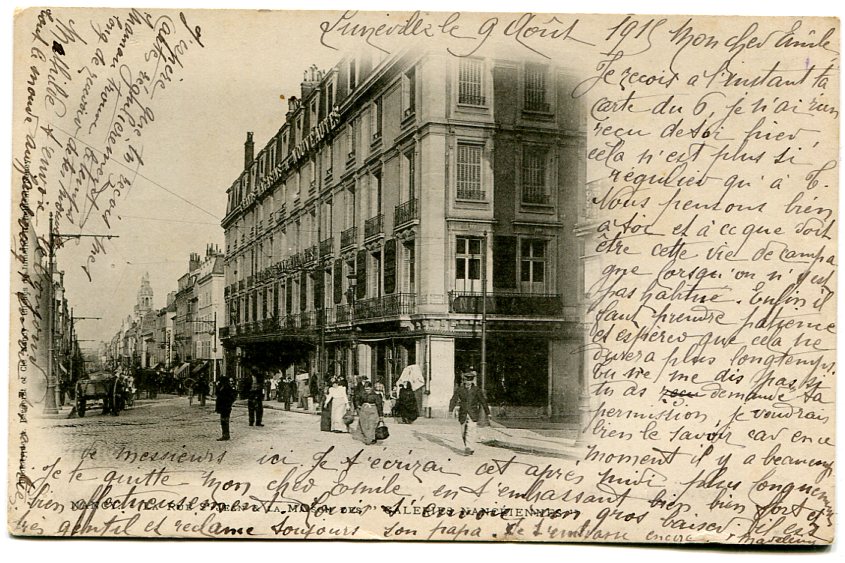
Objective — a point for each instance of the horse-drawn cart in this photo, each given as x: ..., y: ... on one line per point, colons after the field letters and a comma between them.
x: 106, y: 388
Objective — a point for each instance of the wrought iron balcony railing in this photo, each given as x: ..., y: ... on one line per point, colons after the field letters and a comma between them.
x: 507, y: 303
x: 405, y: 213
x: 374, y: 226
x: 347, y: 237
x: 326, y: 247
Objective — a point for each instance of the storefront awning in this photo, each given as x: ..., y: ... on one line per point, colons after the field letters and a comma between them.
x: 182, y: 370
x: 200, y: 367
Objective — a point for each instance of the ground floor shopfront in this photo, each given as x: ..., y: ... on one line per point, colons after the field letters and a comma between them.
x: 534, y: 369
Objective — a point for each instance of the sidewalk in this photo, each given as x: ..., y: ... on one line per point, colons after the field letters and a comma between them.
x: 559, y: 443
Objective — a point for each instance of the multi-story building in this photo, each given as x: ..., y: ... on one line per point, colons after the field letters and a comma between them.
x: 210, y: 311
x: 398, y: 192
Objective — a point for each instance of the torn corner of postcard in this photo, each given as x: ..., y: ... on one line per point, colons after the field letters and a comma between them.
x: 491, y: 277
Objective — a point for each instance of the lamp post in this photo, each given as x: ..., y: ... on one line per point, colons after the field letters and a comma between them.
x: 50, y: 403
x: 351, y: 284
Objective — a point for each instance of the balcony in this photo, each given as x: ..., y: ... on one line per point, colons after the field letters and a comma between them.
x: 347, y: 237
x: 350, y: 159
x: 406, y: 213
x: 223, y: 331
x: 472, y: 100
x: 326, y: 247
x: 535, y: 195
x: 309, y: 254
x: 280, y: 215
x: 241, y: 285
x: 343, y: 314
x: 374, y: 226
x: 385, y: 306
x: 471, y: 194
x: 328, y: 176
x: 507, y: 304
x: 537, y: 107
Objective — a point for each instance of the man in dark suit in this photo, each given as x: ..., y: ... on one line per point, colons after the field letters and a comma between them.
x: 225, y: 397
x: 467, y: 403
x: 255, y: 401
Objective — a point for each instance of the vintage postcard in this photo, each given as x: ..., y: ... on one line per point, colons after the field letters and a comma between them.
x: 422, y: 275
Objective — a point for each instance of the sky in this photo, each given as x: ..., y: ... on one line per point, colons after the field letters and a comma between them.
x: 192, y: 151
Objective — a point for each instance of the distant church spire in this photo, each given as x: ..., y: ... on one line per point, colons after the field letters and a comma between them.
x: 144, y: 302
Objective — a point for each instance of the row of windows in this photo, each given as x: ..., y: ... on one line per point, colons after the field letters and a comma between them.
x: 535, y: 86
x: 531, y: 264
x: 297, y: 293
x: 471, y: 89
x: 536, y: 181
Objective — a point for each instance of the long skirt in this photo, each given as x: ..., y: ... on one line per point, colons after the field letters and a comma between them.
x: 338, y: 410
x: 367, y: 422
x: 326, y: 417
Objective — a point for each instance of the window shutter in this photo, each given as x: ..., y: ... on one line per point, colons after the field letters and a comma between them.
x: 318, y: 289
x: 337, y: 278
x: 361, y: 274
x: 390, y: 266
x: 504, y: 262
x: 303, y: 291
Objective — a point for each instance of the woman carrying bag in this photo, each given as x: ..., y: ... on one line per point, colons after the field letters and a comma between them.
x: 370, y: 413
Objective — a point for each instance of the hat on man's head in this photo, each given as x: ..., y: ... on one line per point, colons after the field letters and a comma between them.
x: 468, y: 376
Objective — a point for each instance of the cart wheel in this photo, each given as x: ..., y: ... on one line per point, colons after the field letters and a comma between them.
x: 80, y: 407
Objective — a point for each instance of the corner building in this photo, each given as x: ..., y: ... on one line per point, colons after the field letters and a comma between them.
x: 359, y: 236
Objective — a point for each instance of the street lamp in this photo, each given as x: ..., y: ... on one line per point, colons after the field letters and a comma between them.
x: 351, y: 284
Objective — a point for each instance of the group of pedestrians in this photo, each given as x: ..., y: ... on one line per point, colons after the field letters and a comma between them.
x: 468, y: 404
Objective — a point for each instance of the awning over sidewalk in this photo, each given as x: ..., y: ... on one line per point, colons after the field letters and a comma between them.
x: 182, y: 371
x: 200, y: 367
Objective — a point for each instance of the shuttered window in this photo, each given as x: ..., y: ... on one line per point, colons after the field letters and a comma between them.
x: 534, y: 159
x: 469, y: 172
x: 389, y: 266
x: 535, y: 88
x: 361, y: 274
x: 338, y: 281
x: 470, y: 83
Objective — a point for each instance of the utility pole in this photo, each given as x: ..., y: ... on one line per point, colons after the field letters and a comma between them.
x: 214, y: 350
x: 50, y: 403
x: 484, y: 315
x: 50, y: 406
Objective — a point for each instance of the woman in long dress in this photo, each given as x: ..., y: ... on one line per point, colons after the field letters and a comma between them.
x: 407, y: 404
x: 340, y: 402
x: 370, y: 413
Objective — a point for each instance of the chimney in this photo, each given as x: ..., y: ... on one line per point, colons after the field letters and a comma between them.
x: 194, y: 262
x: 249, y: 150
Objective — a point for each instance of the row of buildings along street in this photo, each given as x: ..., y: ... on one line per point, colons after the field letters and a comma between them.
x: 170, y: 348
x: 416, y: 209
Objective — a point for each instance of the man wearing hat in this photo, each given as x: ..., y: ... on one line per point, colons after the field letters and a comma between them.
x: 468, y: 401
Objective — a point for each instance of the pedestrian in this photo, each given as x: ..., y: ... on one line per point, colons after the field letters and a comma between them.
x: 339, y: 402
x: 302, y: 390
x: 406, y: 404
x: 202, y: 389
x: 467, y: 403
x: 255, y: 401
x: 358, y: 393
x: 288, y: 391
x: 225, y: 398
x: 370, y: 413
